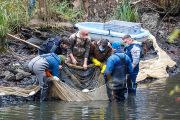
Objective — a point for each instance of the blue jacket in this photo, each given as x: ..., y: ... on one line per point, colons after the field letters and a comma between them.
x: 54, y: 62
x: 51, y: 45
x: 117, y: 66
x: 134, y: 52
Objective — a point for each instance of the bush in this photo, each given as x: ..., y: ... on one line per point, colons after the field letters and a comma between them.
x: 3, y: 28
x: 68, y: 13
x: 174, y: 35
x: 12, y: 15
x: 125, y: 12
x: 16, y: 12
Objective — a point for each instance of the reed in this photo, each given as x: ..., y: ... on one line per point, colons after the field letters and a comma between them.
x: 13, y: 14
x: 66, y: 10
x: 3, y: 28
x: 125, y: 12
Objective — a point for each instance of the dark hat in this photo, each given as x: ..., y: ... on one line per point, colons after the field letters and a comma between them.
x: 65, y: 40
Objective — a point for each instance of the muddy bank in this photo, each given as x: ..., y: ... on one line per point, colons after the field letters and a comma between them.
x: 161, y: 29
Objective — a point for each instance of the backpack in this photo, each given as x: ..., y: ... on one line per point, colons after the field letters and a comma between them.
x: 50, y: 45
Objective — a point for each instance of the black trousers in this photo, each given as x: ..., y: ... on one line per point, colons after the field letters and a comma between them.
x: 116, y: 95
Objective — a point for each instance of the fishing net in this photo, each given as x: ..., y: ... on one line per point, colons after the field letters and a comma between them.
x: 24, y: 92
x: 78, y: 78
x: 156, y: 67
x: 74, y: 79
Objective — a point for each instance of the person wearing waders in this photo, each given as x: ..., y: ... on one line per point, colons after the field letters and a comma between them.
x: 99, y: 53
x: 55, y: 45
x: 42, y: 63
x: 117, y: 67
x: 134, y: 51
x: 78, y: 51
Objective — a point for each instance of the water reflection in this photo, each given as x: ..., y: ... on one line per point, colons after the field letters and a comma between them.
x: 151, y: 102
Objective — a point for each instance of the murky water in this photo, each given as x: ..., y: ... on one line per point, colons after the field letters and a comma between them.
x: 159, y: 100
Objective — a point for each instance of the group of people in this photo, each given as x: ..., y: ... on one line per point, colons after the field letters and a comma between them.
x: 120, y: 66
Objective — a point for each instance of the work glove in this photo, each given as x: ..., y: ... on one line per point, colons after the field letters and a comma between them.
x: 55, y: 78
x: 48, y: 73
x: 96, y: 62
x: 85, y: 90
x: 103, y: 68
x: 32, y: 93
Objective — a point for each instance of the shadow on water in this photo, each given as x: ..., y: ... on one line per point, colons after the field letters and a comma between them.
x: 153, y: 101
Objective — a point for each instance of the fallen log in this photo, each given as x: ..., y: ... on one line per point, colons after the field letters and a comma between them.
x: 24, y: 41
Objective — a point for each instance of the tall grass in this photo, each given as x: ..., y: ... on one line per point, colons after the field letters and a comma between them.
x: 125, y: 12
x: 3, y: 28
x: 13, y: 14
x: 17, y: 13
x: 67, y: 11
x: 3, y: 22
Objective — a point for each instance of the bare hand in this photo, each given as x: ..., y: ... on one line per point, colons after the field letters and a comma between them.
x: 74, y: 61
x: 60, y: 67
x: 85, y: 66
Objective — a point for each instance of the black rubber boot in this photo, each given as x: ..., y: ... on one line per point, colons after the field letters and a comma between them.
x: 44, y: 93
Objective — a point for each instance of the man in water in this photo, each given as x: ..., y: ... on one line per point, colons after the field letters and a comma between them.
x: 99, y: 53
x: 40, y: 64
x: 118, y: 66
x: 133, y: 50
x: 78, y: 52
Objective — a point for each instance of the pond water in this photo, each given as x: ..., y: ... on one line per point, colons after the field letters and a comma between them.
x: 158, y: 100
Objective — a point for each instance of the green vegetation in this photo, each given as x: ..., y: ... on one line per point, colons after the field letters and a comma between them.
x: 173, y: 36
x: 12, y: 15
x: 125, y: 12
x: 3, y: 22
x: 3, y: 28
x: 68, y: 13
x: 16, y: 13
x: 167, y: 6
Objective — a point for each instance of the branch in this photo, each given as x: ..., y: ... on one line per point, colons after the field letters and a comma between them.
x: 24, y: 41
x: 136, y: 2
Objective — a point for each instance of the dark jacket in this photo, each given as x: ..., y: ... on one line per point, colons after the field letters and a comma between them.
x: 51, y: 45
x: 96, y: 53
x: 117, y: 67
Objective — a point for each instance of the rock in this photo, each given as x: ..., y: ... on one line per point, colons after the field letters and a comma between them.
x: 25, y: 74
x: 19, y: 76
x: 150, y: 21
x: 16, y: 65
x: 8, y: 75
